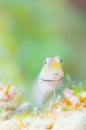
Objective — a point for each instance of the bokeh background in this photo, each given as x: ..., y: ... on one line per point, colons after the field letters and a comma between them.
x: 31, y: 30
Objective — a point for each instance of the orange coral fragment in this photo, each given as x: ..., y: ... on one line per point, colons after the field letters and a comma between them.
x: 7, y: 90
x: 21, y: 122
x: 71, y: 98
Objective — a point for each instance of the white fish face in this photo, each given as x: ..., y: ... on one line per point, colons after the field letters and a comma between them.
x: 52, y: 70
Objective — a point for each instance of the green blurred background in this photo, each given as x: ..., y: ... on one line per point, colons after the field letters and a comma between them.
x: 31, y: 30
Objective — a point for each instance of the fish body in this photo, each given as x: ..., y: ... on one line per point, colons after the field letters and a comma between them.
x: 49, y: 79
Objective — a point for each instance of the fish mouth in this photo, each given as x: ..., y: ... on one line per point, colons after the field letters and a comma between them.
x: 52, y: 80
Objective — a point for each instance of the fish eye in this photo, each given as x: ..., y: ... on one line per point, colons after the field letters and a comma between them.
x: 58, y: 59
x: 45, y: 62
x: 61, y: 60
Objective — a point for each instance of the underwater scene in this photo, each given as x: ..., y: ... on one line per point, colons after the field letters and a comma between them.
x: 42, y: 65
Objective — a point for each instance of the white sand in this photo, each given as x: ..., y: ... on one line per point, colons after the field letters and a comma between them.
x: 72, y: 121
